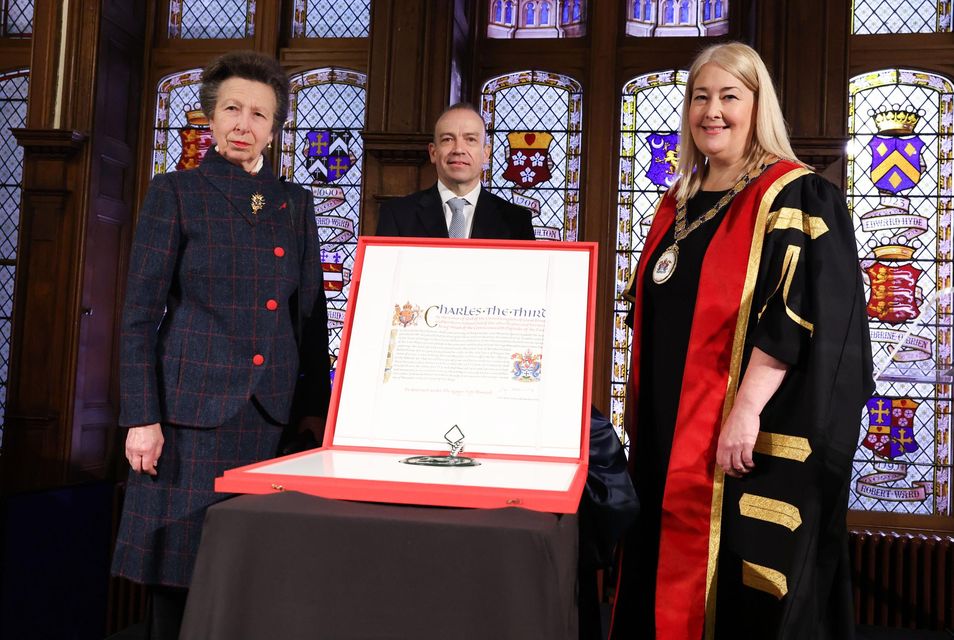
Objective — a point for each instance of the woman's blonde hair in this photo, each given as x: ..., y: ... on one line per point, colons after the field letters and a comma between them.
x: 769, y: 136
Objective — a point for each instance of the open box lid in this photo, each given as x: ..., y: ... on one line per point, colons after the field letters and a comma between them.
x: 492, y: 336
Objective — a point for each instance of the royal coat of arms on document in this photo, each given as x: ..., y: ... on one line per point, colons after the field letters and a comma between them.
x: 406, y: 314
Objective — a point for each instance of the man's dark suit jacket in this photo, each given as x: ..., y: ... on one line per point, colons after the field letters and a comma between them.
x: 421, y: 215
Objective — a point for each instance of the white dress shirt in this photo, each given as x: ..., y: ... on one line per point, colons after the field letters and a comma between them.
x: 471, y: 198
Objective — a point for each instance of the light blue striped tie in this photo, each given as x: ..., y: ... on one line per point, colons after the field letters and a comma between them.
x: 457, y: 226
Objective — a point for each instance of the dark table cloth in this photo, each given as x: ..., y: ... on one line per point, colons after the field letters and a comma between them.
x: 290, y: 565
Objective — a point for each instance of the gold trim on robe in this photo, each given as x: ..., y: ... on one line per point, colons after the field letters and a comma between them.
x: 789, y: 218
x: 782, y: 446
x: 770, y: 510
x: 764, y: 579
x: 732, y: 386
x: 789, y: 264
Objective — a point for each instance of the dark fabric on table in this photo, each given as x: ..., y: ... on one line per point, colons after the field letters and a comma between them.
x: 293, y: 566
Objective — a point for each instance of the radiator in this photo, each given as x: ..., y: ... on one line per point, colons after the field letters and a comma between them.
x: 902, y: 580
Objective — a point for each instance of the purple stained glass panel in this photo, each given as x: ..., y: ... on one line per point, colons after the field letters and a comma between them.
x: 322, y: 150
x: 900, y: 16
x: 211, y: 19
x: 331, y: 19
x: 16, y: 18
x: 508, y: 19
x: 14, y: 88
x: 899, y: 166
x: 668, y: 18
x: 649, y: 124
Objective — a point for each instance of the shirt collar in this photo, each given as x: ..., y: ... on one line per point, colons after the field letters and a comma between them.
x: 446, y: 194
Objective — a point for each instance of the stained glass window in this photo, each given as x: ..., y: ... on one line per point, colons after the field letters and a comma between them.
x: 331, y: 19
x: 182, y: 133
x: 207, y: 19
x: 13, y: 110
x: 534, y: 120
x: 674, y: 18
x: 322, y: 150
x: 900, y: 125
x: 901, y: 16
x: 648, y: 153
x: 536, y: 18
x: 16, y: 18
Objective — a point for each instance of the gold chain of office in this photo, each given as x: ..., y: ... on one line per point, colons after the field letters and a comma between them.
x: 666, y: 265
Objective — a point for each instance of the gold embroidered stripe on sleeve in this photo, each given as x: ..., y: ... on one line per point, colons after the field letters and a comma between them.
x: 781, y: 446
x: 789, y: 218
x: 789, y: 264
x: 769, y: 510
x: 764, y: 579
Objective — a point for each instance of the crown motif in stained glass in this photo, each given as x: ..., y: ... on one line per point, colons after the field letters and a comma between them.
x: 896, y: 120
x: 196, y: 117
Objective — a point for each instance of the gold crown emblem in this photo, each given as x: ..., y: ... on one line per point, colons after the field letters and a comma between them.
x: 196, y: 118
x: 896, y: 121
x: 894, y: 252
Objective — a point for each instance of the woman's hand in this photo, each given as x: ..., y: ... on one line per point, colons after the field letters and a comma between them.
x: 762, y: 379
x: 737, y: 440
x: 143, y: 448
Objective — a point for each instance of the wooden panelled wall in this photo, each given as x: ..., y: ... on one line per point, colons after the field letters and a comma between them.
x: 88, y: 150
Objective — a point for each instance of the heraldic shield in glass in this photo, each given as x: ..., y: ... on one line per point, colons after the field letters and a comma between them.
x: 534, y: 124
x: 650, y: 109
x: 322, y: 150
x: 181, y: 135
x: 899, y: 194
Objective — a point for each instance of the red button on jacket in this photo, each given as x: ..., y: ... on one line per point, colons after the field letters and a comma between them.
x: 258, y: 359
x: 271, y: 305
x: 279, y: 252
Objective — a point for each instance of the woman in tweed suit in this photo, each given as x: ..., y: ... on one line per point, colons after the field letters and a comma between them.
x: 224, y: 268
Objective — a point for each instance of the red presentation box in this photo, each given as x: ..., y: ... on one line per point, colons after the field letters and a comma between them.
x: 494, y: 337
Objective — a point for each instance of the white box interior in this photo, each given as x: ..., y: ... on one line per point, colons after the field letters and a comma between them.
x: 370, y: 465
x: 405, y: 384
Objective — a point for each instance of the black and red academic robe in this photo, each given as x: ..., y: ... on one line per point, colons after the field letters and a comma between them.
x: 764, y: 556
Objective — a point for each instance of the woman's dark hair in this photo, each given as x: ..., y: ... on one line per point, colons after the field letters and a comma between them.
x: 248, y: 65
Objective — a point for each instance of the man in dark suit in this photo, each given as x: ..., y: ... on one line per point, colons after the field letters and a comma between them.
x: 459, y: 151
